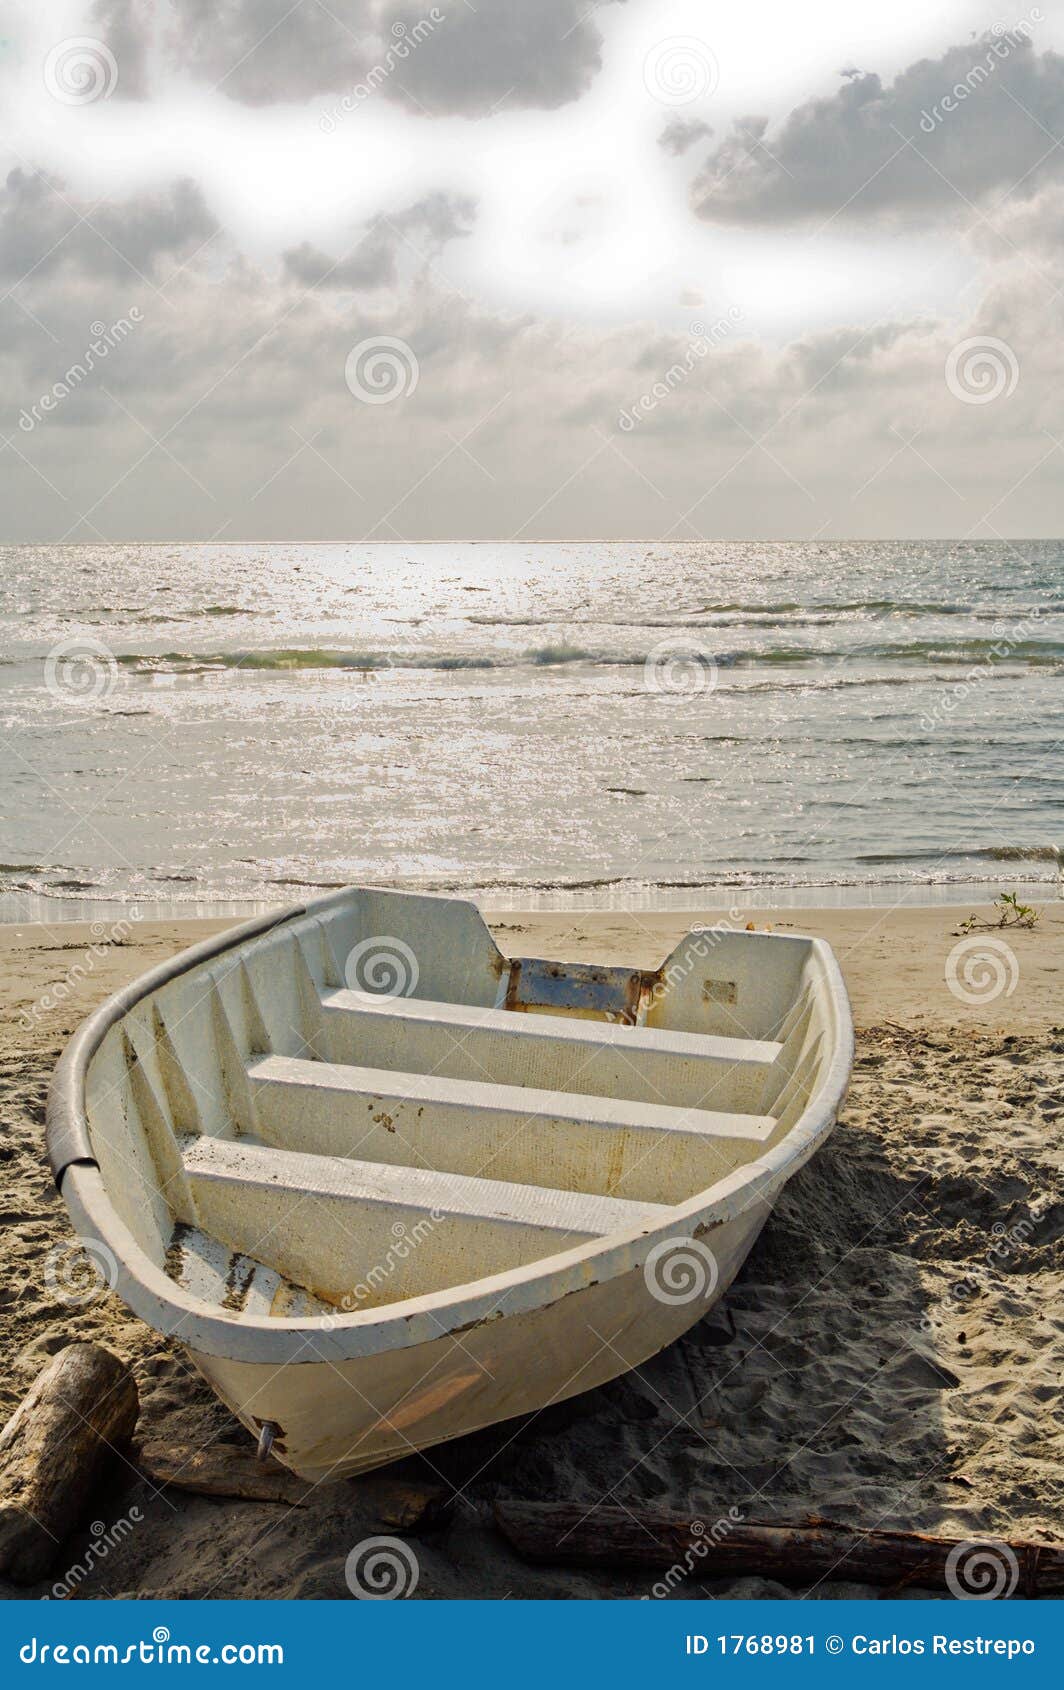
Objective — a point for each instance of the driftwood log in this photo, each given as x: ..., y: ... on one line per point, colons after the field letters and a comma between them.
x: 797, y: 1555
x: 234, y: 1470
x: 79, y: 1411
x: 221, y: 1470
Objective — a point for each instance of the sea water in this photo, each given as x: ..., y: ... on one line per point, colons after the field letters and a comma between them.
x: 613, y: 725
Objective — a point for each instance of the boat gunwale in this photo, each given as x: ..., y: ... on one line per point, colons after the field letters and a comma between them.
x: 165, y: 1306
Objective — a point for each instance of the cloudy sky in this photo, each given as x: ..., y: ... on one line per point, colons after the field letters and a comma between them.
x: 532, y: 269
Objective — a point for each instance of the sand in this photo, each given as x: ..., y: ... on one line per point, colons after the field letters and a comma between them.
x: 890, y: 1355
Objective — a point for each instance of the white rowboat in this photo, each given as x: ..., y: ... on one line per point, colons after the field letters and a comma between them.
x: 387, y: 1186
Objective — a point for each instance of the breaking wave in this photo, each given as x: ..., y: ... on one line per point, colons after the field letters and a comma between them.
x: 972, y: 653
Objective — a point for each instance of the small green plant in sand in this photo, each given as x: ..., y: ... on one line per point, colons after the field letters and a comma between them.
x: 1009, y: 912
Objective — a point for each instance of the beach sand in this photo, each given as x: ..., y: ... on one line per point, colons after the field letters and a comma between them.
x: 889, y: 1356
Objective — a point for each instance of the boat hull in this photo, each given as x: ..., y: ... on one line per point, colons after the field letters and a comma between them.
x: 339, y: 1418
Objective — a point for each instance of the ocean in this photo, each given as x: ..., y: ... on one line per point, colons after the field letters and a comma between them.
x: 606, y: 725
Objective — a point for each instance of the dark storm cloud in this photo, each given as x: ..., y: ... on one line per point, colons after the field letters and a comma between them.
x: 44, y: 229
x: 260, y: 51
x: 447, y: 58
x: 504, y: 53
x: 978, y: 122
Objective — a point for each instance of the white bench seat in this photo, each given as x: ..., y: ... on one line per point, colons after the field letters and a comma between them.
x: 615, y: 1147
x: 546, y: 1052
x: 360, y: 1233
